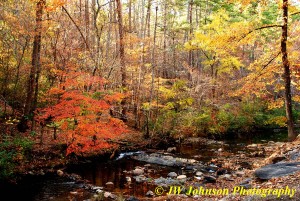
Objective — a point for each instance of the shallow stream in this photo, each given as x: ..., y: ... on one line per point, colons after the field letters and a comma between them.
x: 49, y: 187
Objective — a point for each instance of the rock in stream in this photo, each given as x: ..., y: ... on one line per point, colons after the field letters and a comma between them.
x: 277, y: 170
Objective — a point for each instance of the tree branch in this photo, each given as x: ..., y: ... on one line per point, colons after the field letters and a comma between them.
x: 295, y: 13
x: 267, y: 64
x: 84, y: 39
x: 260, y: 28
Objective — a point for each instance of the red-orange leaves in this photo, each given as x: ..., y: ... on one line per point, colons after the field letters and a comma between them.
x: 114, y: 98
x: 84, y: 122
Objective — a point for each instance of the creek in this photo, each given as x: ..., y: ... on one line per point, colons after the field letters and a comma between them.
x: 98, y: 173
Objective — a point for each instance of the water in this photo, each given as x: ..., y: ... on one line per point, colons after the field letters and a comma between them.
x: 42, y: 188
x: 49, y: 187
x: 100, y: 172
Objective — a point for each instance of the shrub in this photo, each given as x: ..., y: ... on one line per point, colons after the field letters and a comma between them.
x: 12, y: 152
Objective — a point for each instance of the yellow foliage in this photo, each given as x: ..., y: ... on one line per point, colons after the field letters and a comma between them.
x: 279, y: 120
x: 219, y: 41
x: 276, y: 104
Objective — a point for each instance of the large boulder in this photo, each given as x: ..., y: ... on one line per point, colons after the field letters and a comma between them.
x: 277, y: 170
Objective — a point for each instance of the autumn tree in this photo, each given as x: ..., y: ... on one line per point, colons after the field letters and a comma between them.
x: 287, y: 75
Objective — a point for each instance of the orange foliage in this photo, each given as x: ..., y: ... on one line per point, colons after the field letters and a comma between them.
x: 84, y: 122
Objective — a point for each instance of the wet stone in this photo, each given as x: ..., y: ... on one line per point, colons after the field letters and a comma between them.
x: 199, y: 174
x: 138, y: 171
x: 150, y: 194
x: 132, y: 199
x: 246, y: 186
x: 109, y: 183
x: 182, y: 177
x: 140, y: 179
x: 277, y: 170
x: 166, y: 181
x: 172, y: 175
x: 246, y: 181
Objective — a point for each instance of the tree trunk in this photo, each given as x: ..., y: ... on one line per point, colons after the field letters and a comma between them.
x: 130, y: 15
x: 122, y: 56
x: 31, y: 99
x: 148, y: 17
x: 164, y: 70
x: 147, y: 134
x: 287, y: 74
x: 191, y: 62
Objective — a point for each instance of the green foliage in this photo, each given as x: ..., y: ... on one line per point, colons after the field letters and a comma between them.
x: 241, y: 117
x: 12, y: 151
x: 6, y: 164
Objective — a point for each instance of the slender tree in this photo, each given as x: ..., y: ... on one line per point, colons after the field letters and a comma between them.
x: 287, y: 74
x: 122, y: 56
x: 32, y: 88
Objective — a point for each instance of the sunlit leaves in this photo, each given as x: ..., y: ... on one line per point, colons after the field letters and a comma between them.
x: 84, y: 121
x: 52, y: 5
x: 219, y: 41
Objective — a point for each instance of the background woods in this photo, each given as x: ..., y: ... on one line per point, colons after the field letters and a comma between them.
x: 87, y: 69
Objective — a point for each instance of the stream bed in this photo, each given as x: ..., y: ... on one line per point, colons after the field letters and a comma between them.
x: 117, y: 171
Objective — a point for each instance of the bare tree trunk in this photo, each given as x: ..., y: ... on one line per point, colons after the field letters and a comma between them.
x: 122, y: 56
x: 109, y: 31
x: 287, y: 74
x: 148, y: 17
x: 87, y: 22
x: 130, y: 15
x: 31, y: 99
x: 147, y: 134
x: 191, y: 62
x: 164, y: 70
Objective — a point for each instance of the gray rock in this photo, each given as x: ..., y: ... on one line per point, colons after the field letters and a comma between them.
x: 109, y: 195
x: 246, y: 186
x: 140, y: 179
x: 94, y: 188
x: 150, y: 194
x: 138, y: 171
x: 131, y: 198
x: 246, y: 181
x: 277, y: 170
x: 294, y: 155
x: 166, y: 160
x: 166, y: 181
x: 199, y: 174
x: 99, y: 191
x: 227, y: 177
x: 182, y: 178
x: 171, y: 149
x: 252, y: 146
x: 109, y: 183
x: 172, y: 175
